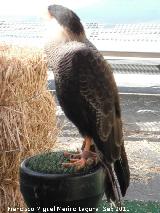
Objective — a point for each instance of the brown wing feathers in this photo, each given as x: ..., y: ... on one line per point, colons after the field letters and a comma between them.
x: 104, y: 100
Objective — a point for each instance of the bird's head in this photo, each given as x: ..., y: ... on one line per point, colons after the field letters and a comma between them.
x: 65, y: 24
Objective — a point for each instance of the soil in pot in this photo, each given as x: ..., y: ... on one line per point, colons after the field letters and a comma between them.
x: 49, y: 187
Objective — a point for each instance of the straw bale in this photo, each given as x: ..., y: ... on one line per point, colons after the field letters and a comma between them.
x: 23, y: 77
x: 27, y: 117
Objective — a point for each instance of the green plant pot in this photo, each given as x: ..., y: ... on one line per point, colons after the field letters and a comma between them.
x: 62, y: 192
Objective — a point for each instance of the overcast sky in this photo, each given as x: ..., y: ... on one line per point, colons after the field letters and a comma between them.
x: 37, y: 7
x: 110, y: 11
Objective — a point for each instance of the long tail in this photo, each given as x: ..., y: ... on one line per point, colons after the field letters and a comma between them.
x: 111, y: 188
x: 121, y: 169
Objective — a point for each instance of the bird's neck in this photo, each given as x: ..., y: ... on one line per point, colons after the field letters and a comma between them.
x: 70, y: 36
x: 64, y: 36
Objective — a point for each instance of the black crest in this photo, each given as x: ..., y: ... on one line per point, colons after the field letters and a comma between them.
x: 66, y: 18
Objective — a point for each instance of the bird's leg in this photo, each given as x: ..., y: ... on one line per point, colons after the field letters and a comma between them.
x: 81, y: 159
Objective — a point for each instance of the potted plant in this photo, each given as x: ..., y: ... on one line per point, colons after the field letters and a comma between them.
x: 49, y: 187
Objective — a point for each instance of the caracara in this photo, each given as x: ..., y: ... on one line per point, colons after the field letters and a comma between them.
x: 88, y: 95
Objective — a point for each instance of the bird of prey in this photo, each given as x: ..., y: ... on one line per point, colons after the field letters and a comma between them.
x: 88, y: 95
